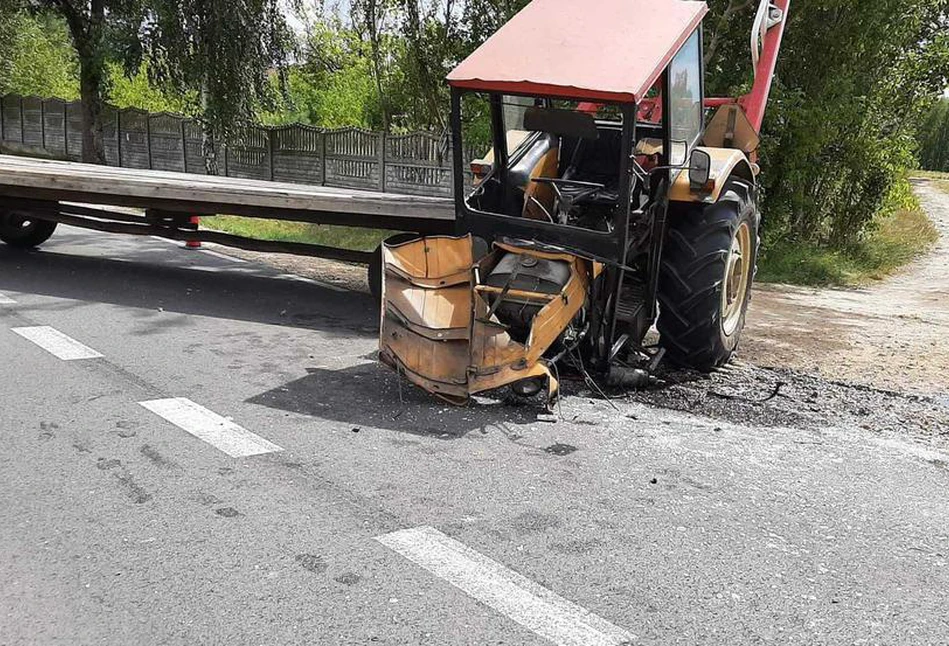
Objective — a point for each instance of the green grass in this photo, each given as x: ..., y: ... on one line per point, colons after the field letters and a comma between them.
x: 332, y: 236
x: 896, y: 240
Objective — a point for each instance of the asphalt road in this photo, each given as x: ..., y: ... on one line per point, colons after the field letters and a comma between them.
x: 360, y: 511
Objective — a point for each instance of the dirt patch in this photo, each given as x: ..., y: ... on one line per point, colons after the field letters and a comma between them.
x: 891, y: 335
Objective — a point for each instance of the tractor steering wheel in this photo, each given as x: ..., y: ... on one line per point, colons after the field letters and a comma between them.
x: 569, y: 192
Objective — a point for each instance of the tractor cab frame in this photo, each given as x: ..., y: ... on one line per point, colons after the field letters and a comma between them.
x: 603, y: 194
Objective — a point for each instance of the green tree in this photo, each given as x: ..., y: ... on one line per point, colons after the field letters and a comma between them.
x: 333, y: 85
x: 934, y: 138
x: 36, y: 56
x: 219, y: 51
x: 854, y: 79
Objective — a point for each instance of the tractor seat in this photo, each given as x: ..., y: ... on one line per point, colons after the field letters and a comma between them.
x: 648, y: 146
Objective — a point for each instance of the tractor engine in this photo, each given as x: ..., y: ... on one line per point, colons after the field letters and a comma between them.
x: 521, y: 278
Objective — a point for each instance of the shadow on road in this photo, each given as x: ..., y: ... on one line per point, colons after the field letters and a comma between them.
x: 370, y: 395
x: 144, y: 278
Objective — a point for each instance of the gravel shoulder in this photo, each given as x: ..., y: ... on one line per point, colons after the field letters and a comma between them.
x: 891, y: 335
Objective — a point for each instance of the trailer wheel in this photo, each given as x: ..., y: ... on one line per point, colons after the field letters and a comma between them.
x: 705, y: 280
x: 374, y: 275
x: 22, y: 230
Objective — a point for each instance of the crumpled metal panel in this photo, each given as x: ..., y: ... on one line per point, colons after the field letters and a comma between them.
x: 435, y: 329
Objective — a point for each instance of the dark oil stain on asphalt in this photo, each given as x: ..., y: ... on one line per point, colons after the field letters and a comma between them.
x: 152, y: 454
x: 125, y: 429
x: 560, y: 449
x: 348, y: 578
x: 82, y: 448
x: 106, y: 464
x: 47, y: 430
x: 206, y: 498
x: 133, y: 490
x: 312, y: 563
x: 534, y: 521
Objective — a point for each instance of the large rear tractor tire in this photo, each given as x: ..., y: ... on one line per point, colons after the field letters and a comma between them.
x: 20, y: 229
x: 705, y: 279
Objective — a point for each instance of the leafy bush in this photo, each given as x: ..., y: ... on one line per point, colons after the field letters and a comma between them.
x: 39, y: 57
x: 853, y: 80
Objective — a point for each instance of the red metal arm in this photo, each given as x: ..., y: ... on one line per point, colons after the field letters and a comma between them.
x: 756, y: 101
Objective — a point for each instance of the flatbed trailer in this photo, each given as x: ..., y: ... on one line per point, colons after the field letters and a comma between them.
x: 166, y: 203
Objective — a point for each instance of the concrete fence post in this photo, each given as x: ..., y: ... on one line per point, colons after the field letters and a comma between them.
x: 118, y: 138
x: 382, y: 161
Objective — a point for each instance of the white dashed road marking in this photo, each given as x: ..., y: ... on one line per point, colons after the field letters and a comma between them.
x: 6, y: 300
x: 206, y: 425
x: 57, y: 343
x: 529, y: 604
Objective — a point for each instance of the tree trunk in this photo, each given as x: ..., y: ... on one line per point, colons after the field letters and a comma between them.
x: 208, y: 138
x: 85, y: 27
x: 90, y: 89
x: 372, y: 23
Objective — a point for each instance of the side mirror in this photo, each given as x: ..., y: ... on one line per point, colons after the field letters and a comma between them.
x: 700, y: 169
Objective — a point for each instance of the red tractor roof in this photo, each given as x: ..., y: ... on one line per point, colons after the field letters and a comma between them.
x: 601, y: 50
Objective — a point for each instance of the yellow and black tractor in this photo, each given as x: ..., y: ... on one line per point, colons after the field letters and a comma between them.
x: 615, y: 196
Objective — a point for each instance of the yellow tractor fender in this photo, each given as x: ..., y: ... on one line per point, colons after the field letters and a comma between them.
x: 726, y: 163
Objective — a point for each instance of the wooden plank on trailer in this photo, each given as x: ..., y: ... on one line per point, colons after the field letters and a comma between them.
x: 78, y: 182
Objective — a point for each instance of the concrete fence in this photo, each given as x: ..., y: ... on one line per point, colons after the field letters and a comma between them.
x: 417, y: 163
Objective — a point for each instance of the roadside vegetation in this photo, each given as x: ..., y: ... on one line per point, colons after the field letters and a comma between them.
x: 854, y: 105
x: 336, y: 236
x: 934, y: 138
x: 894, y: 240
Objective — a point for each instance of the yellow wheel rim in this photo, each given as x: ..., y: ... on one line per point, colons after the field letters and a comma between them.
x: 737, y: 277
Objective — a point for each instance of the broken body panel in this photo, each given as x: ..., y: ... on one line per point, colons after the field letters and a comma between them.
x: 440, y: 327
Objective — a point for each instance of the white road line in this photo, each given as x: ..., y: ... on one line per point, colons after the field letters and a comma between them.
x: 57, y: 343
x: 6, y: 300
x: 206, y: 425
x: 529, y: 604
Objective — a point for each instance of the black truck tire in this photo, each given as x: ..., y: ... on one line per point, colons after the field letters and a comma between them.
x: 374, y: 272
x: 705, y: 278
x: 19, y: 229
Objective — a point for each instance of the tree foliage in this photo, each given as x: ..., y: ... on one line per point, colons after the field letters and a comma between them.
x: 934, y: 138
x: 215, y: 52
x: 404, y: 47
x: 36, y: 57
x: 853, y: 80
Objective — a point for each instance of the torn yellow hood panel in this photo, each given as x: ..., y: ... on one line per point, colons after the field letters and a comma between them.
x: 440, y: 333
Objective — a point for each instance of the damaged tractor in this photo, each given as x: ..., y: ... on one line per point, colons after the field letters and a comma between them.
x: 615, y: 197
